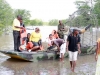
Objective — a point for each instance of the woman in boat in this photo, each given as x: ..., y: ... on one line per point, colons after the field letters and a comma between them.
x: 35, y: 38
x: 55, y: 34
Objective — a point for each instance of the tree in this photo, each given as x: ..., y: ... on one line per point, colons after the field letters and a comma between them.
x: 36, y: 22
x: 53, y: 22
x: 6, y: 14
x: 24, y: 13
x: 97, y: 10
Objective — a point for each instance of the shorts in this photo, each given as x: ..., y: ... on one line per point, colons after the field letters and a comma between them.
x: 35, y: 44
x: 62, y: 49
x: 72, y: 55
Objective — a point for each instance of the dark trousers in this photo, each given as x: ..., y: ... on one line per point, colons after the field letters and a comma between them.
x: 16, y: 36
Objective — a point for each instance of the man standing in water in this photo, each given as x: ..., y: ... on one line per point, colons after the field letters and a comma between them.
x: 73, y: 47
x: 61, y: 29
x: 16, y: 32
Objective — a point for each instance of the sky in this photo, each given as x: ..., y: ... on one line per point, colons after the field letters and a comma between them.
x: 45, y: 9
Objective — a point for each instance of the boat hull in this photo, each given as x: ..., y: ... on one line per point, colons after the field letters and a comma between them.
x: 42, y: 55
x: 33, y: 56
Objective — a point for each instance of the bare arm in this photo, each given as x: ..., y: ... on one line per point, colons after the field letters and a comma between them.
x: 18, y: 27
x: 97, y: 49
x: 79, y: 51
x: 78, y: 46
x: 67, y: 43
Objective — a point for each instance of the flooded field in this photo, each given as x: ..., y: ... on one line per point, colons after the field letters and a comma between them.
x: 86, y: 64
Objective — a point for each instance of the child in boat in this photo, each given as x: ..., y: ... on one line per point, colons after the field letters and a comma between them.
x: 61, y: 46
x: 49, y: 42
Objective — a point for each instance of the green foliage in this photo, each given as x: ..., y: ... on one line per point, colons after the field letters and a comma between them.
x: 97, y: 10
x: 83, y: 16
x: 53, y: 22
x: 6, y: 15
x: 36, y: 22
x: 24, y: 13
x: 82, y: 4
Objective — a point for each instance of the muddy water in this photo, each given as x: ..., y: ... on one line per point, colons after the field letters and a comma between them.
x: 86, y: 65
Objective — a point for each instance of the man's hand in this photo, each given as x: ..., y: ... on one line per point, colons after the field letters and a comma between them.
x: 62, y: 29
x: 96, y: 57
x: 22, y: 27
x: 79, y: 51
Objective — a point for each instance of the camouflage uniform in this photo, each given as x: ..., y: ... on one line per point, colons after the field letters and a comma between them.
x: 61, y: 32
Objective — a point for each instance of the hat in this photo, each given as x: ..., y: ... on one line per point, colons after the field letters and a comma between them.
x: 75, y: 30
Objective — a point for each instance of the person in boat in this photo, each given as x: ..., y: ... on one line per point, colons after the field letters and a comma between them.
x: 73, y: 47
x: 28, y: 37
x: 24, y: 40
x: 35, y: 38
x: 61, y: 29
x: 49, y: 42
x: 16, y: 32
x: 55, y: 34
x: 23, y: 36
x: 61, y: 47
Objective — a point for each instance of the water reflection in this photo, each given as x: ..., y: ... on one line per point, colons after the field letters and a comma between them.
x: 18, y: 67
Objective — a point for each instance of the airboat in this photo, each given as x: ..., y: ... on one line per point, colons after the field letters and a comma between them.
x: 82, y: 20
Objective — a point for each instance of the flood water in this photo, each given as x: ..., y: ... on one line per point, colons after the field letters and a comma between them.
x: 86, y: 64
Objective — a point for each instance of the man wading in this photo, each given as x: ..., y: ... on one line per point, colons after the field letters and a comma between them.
x: 73, y: 47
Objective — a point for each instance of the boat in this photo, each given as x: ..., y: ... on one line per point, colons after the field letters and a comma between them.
x: 32, y: 56
x: 43, y: 55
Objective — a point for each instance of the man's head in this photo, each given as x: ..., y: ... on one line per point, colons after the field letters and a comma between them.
x: 76, y: 31
x: 28, y: 35
x: 60, y: 22
x: 37, y: 29
x: 50, y: 37
x: 19, y: 17
x: 55, y: 32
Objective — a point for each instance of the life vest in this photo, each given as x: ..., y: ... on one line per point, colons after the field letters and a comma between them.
x: 55, y: 36
x: 30, y: 45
